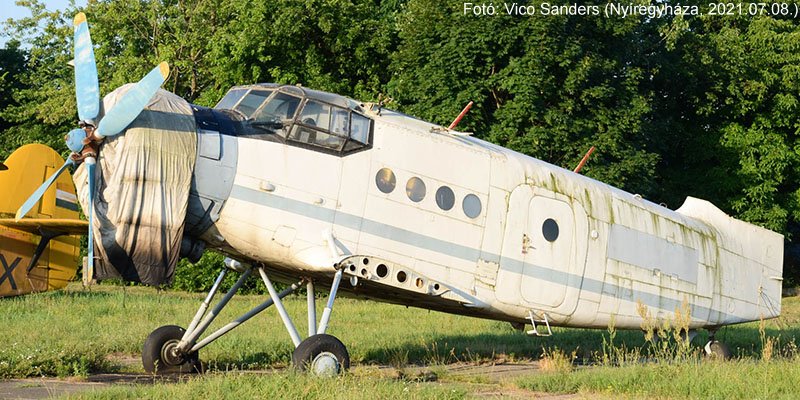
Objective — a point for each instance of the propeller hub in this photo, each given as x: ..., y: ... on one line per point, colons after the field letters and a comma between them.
x: 75, y: 139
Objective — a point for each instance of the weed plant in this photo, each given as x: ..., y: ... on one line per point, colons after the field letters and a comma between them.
x: 669, y: 366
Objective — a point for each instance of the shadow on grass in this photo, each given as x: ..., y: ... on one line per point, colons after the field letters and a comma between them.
x: 588, y: 344
x: 745, y: 340
x: 508, y: 346
x: 81, y: 294
x: 498, y: 347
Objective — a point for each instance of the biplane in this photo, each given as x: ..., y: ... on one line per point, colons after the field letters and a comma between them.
x: 324, y: 192
x: 42, y: 252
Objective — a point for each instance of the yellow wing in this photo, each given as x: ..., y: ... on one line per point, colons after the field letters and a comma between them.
x: 42, y: 252
x: 35, y: 225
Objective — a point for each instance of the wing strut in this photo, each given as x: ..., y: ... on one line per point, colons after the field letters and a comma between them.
x: 46, y: 235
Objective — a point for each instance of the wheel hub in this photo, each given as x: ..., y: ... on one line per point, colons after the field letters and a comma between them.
x: 325, y: 364
x: 170, y: 354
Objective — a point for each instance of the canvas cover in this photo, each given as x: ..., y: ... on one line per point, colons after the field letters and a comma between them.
x: 143, y: 177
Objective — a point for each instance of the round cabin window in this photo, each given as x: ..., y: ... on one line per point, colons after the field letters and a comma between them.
x: 445, y: 198
x: 385, y: 180
x: 415, y: 189
x: 472, y: 206
x: 550, y: 230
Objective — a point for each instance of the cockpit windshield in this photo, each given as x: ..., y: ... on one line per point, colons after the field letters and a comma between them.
x: 280, y: 107
x: 252, y: 101
x: 231, y: 98
x: 276, y: 114
x: 321, y: 121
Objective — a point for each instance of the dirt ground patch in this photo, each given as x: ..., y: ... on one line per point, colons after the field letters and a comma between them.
x: 42, y: 388
x: 482, y: 381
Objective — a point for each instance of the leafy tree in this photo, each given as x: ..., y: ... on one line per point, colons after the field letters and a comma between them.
x: 338, y: 46
x: 12, y: 64
x: 547, y: 86
x: 39, y: 109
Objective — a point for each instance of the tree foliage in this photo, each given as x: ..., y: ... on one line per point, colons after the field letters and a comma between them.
x: 676, y: 106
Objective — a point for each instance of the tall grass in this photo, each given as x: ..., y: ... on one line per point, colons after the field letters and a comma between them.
x: 739, y: 379
x: 669, y: 366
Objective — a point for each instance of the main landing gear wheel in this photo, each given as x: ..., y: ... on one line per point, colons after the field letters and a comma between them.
x: 322, y: 355
x: 160, y: 355
x: 717, y: 350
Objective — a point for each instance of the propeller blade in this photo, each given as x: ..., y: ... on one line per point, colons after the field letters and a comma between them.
x: 87, y: 90
x: 37, y: 195
x: 132, y: 102
x: 90, y: 164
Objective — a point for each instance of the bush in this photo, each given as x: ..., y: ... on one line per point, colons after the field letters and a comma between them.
x: 199, y: 277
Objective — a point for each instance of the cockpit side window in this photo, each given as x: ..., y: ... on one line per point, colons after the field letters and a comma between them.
x: 252, y: 101
x: 231, y: 98
x: 359, y: 133
x: 359, y: 129
x: 330, y: 128
x: 340, y: 123
x: 316, y: 114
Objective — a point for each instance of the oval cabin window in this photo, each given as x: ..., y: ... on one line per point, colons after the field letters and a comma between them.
x: 445, y: 198
x: 472, y: 206
x: 415, y: 189
x: 385, y: 180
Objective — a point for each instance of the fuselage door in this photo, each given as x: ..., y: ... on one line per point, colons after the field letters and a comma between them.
x: 544, y: 251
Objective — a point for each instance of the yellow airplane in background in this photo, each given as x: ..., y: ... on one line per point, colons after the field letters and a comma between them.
x: 42, y: 252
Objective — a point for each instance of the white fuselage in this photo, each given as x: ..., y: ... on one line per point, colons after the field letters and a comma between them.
x: 544, y: 240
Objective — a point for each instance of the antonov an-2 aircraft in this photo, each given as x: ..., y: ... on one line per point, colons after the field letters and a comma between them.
x: 323, y: 191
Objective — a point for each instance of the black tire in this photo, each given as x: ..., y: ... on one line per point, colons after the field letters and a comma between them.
x: 156, y: 358
x: 309, y: 349
x: 718, y: 350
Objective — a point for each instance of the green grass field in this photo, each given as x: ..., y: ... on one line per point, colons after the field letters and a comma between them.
x: 76, y: 332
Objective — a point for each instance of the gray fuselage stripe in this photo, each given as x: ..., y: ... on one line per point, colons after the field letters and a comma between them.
x: 357, y: 223
x: 462, y: 252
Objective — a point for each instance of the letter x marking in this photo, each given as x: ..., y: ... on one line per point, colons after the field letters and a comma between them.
x: 9, y: 270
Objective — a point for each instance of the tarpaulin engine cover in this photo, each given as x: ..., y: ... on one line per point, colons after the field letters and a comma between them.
x: 143, y: 177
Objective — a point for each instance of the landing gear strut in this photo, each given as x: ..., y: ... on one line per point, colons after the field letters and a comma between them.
x: 171, y: 349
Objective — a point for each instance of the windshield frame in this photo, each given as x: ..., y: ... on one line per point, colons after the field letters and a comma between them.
x: 281, y: 132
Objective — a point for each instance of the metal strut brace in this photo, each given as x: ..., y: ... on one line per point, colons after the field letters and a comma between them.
x: 326, y: 314
x: 204, y: 307
x: 281, y: 309
x: 238, y: 321
x: 312, y: 309
x: 190, y: 337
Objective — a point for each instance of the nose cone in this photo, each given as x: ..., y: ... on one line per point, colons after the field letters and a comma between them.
x: 75, y: 139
